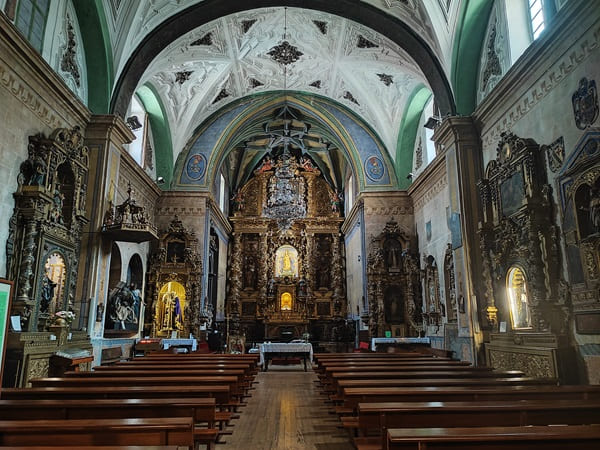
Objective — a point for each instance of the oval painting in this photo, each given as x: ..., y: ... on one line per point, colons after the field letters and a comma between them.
x: 374, y: 168
x: 196, y: 166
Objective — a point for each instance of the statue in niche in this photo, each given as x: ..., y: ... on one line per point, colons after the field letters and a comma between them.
x: 271, y: 287
x: 57, y: 201
x: 323, y: 278
x: 238, y: 201
x: 250, y: 273
x: 595, y: 209
x: 38, y: 174
x: 302, y: 287
x: 393, y: 250
x: 394, y: 309
x: 47, y: 293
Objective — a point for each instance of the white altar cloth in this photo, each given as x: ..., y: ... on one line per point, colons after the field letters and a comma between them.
x: 180, y: 342
x: 282, y: 347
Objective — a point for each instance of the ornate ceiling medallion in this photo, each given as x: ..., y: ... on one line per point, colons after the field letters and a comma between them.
x: 254, y: 83
x: 182, y: 77
x: 223, y: 94
x: 322, y: 26
x: 204, y: 40
x: 363, y: 42
x: 385, y: 78
x: 285, y: 53
x: 247, y: 24
x: 348, y: 96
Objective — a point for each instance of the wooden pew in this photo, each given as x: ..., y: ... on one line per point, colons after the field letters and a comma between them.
x: 572, y: 437
x: 201, y: 410
x: 376, y: 418
x: 100, y: 447
x: 220, y: 393
x: 69, y: 433
x: 354, y: 396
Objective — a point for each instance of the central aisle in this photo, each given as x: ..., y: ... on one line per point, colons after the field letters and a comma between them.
x: 287, y: 412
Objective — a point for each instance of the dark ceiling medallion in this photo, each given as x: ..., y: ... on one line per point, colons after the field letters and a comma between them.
x: 204, y: 40
x: 385, y: 78
x: 363, y: 42
x: 285, y: 53
x: 349, y: 96
x: 316, y: 84
x: 322, y: 26
x: 223, y: 94
x: 247, y: 24
x: 254, y: 83
x: 182, y: 77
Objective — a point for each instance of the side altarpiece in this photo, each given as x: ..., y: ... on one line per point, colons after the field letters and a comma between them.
x: 174, y: 284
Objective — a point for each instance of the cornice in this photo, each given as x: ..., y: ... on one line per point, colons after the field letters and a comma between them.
x: 354, y: 215
x: 568, y: 41
x: 218, y: 216
x: 430, y: 175
x: 30, y: 79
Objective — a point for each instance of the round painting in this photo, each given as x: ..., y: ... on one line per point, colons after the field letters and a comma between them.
x: 374, y: 168
x: 196, y: 166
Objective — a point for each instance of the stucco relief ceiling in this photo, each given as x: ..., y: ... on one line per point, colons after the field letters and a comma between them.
x: 132, y: 20
x: 238, y: 55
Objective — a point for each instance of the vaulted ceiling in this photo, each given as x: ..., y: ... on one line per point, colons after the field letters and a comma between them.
x: 251, y: 52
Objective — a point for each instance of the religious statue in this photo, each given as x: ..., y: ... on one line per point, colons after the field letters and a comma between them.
x: 595, y: 209
x: 392, y: 254
x: 47, y: 293
x: 287, y: 262
x: 307, y: 164
x: 250, y: 273
x: 238, y: 201
x: 271, y: 287
x: 266, y: 165
x: 57, y: 205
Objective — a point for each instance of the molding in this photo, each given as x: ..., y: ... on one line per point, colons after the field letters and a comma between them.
x: 545, y: 64
x: 32, y: 81
x: 396, y: 203
x: 217, y: 216
x: 354, y: 216
x: 431, y: 174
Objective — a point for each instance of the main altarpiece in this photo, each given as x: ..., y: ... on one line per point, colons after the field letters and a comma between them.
x: 286, y: 263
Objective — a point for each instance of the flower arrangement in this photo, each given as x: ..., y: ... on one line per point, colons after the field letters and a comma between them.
x: 59, y: 316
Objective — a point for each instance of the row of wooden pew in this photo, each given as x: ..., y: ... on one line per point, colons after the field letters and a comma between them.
x: 416, y: 401
x: 172, y: 400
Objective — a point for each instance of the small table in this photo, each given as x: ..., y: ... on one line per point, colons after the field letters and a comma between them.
x: 292, y: 349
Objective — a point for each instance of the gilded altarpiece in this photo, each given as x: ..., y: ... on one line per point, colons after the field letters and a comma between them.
x: 394, y: 284
x: 174, y: 285
x: 579, y: 184
x: 525, y: 306
x: 285, y: 277
x: 43, y: 251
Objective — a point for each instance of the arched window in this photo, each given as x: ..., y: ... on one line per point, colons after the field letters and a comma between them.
x: 31, y: 21
x: 516, y: 289
x: 138, y: 123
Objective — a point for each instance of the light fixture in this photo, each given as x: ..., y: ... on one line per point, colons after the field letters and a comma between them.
x: 409, y: 176
x: 433, y: 122
x: 160, y: 180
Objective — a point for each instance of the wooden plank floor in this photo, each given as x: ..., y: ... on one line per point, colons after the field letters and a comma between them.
x: 287, y: 412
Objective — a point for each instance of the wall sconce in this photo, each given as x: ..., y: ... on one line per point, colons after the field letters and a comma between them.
x: 433, y: 122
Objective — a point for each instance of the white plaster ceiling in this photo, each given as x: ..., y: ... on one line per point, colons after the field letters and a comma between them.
x: 130, y: 21
x: 374, y: 81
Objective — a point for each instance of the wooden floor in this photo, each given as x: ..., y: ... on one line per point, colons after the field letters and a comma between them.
x: 287, y: 412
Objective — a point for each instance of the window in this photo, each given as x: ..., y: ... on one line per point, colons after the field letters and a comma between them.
x: 536, y: 15
x: 222, y: 193
x: 31, y: 21
x: 516, y: 287
x: 137, y: 123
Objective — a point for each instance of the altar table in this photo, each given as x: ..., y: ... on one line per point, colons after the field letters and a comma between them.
x: 292, y: 349
x: 399, y: 342
x: 190, y: 344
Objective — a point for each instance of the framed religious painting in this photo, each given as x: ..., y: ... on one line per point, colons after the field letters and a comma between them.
x: 6, y: 293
